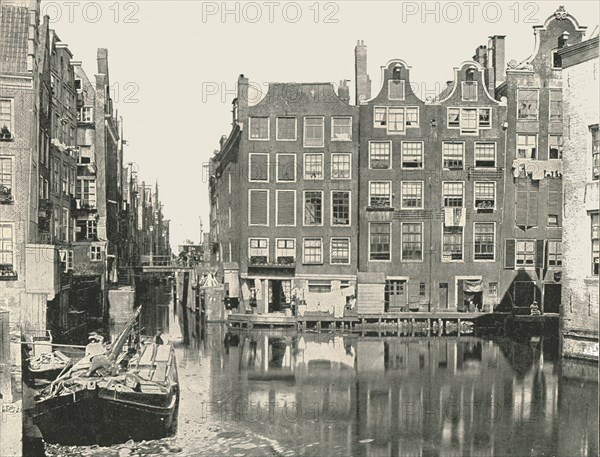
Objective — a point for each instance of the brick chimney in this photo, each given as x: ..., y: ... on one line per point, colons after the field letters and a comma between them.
x: 102, y: 57
x: 242, y: 97
x: 344, y: 91
x: 363, y: 83
x: 496, y: 62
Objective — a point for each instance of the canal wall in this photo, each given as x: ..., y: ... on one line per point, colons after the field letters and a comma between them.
x: 208, y: 301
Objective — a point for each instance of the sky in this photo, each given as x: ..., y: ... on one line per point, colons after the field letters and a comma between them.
x: 174, y: 64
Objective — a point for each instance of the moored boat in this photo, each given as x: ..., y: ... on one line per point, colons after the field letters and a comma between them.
x: 49, y: 366
x: 127, y: 393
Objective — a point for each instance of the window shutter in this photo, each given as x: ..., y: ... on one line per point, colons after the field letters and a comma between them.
x: 521, y: 204
x: 509, y: 257
x: 259, y: 201
x: 555, y: 197
x: 539, y: 253
x: 286, y: 207
x: 532, y: 207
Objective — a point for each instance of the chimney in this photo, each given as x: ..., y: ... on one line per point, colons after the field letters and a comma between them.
x: 496, y: 62
x: 222, y: 141
x: 481, y: 56
x: 362, y: 81
x: 242, y: 97
x: 344, y: 91
x: 102, y: 57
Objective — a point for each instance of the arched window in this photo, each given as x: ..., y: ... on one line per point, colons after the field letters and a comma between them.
x: 470, y: 74
x: 397, y: 72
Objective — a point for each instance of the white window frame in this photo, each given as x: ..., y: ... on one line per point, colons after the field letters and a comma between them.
x: 484, y: 127
x: 385, y: 110
x: 250, y: 155
x: 406, y: 125
x: 444, y: 143
x: 391, y: 154
x: 11, y: 126
x: 475, y: 154
x: 304, y: 224
x: 95, y: 253
x: 250, y: 128
x: 561, y: 117
x: 561, y: 144
x: 537, y: 145
x: 402, y: 143
x: 403, y: 84
x: 402, y: 131
x: 12, y: 243
x: 381, y: 182
x: 322, y: 145
x: 462, y: 249
x: 331, y: 262
x: 277, y: 207
x: 250, y: 207
x: 313, y: 238
x: 402, y: 242
x: 333, y: 119
x: 341, y: 154
x: 11, y: 160
x: 304, y: 169
x: 493, y: 208
x: 534, y: 253
x: 391, y: 243
x: 295, y: 128
x: 444, y: 195
x: 402, y: 183
x: 267, y: 249
x: 277, y: 248
x: 277, y: 178
x: 349, y: 224
x: 493, y: 244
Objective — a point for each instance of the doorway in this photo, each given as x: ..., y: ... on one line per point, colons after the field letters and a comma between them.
x: 469, y: 294
x: 280, y: 295
x: 552, y: 298
x: 443, y: 295
x: 395, y: 295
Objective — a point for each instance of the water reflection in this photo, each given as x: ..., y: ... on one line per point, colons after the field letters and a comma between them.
x: 259, y: 393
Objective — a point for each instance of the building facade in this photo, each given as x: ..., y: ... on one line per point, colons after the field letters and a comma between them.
x: 284, y: 195
x: 579, y: 312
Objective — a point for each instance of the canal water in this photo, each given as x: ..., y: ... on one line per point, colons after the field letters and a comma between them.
x: 282, y: 393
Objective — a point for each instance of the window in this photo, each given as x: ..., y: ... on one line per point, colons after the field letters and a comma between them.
x: 6, y: 245
x: 380, y: 155
x: 313, y: 166
x: 340, y: 251
x: 556, y: 60
x: 412, y: 195
x: 313, y: 207
x: 595, y: 152
x: 525, y: 253
x: 453, y: 117
x: 380, y: 194
x: 493, y: 289
x: 379, y: 117
x: 65, y: 225
x: 86, y: 114
x: 554, y: 253
x: 65, y: 179
x: 314, y: 132
x: 341, y: 128
x: 595, y: 243
x: 286, y: 167
x: 86, y: 192
x: 412, y: 154
x: 340, y: 208
x: 556, y: 105
x: 485, y: 155
x: 319, y: 286
x: 379, y: 241
x: 258, y: 207
x: 527, y: 102
x: 258, y: 251
x: 259, y: 128
x: 412, y: 241
x: 56, y: 175
x: 453, y: 154
x: 468, y: 120
x: 526, y: 146
x: 453, y: 194
x: 452, y: 244
x: 395, y: 120
x: 484, y: 237
x: 95, y: 253
x: 85, y: 155
x: 412, y: 116
x: 286, y: 250
x: 469, y: 91
x: 91, y: 229
x: 526, y: 204
x: 396, y: 89
x: 341, y: 166
x: 485, y: 197
x: 258, y: 167
x: 72, y: 178
x: 6, y: 180
x: 286, y: 128
x: 6, y: 120
x: 312, y: 252
x: 555, y: 147
x: 286, y: 208
x: 421, y: 289
x: 485, y: 118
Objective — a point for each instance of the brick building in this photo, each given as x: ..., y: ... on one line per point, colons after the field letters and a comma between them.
x: 580, y: 65
x: 283, y: 193
x: 430, y: 193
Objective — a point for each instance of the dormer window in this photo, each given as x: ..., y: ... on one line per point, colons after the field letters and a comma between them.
x: 397, y: 72
x: 470, y: 74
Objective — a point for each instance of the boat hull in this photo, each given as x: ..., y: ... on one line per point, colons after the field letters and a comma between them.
x: 90, y: 417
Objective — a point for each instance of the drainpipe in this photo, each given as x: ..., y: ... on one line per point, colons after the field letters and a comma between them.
x: 504, y: 178
x: 430, y: 245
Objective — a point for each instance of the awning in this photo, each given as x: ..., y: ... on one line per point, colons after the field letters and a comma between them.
x: 473, y: 285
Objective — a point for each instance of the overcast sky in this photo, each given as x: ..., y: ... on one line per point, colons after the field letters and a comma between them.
x: 174, y: 64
